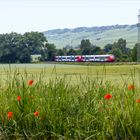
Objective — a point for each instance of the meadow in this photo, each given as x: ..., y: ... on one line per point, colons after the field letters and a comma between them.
x: 69, y: 102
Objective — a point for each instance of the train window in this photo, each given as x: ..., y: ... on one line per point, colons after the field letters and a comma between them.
x: 102, y: 58
x: 64, y: 57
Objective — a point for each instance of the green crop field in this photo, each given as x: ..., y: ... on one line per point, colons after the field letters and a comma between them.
x: 115, y: 73
x: 51, y: 101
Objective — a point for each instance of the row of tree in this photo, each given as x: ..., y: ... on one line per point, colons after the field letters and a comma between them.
x: 119, y: 49
x: 17, y: 48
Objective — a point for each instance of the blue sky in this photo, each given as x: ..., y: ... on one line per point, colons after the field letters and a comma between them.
x: 41, y: 15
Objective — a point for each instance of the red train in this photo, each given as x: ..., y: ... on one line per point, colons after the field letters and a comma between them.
x: 86, y: 58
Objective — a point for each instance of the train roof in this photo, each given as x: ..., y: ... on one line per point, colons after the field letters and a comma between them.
x: 104, y: 55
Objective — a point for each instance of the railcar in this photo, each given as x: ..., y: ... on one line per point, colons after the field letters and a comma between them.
x: 86, y: 58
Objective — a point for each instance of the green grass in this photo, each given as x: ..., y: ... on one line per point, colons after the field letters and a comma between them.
x: 114, y: 73
x: 71, y: 103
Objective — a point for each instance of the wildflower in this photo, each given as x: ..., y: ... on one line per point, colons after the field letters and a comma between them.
x: 19, y: 98
x: 130, y: 87
x: 36, y: 113
x: 108, y: 96
x: 30, y: 82
x: 10, y: 115
x: 138, y: 101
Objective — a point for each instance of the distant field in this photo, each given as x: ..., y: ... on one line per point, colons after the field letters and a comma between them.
x: 97, y: 37
x: 115, y: 73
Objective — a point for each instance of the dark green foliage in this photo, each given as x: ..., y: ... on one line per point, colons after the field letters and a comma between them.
x: 34, y: 41
x: 85, y: 44
x: 119, y: 49
x: 24, y: 57
x: 96, y: 50
x: 71, y: 52
x: 18, y: 48
x: 60, y: 52
x: 134, y: 52
x: 108, y: 48
x: 121, y: 44
x: 117, y: 52
x: 9, y: 44
x: 51, y: 52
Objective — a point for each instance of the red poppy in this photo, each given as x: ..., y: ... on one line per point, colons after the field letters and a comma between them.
x: 19, y: 98
x: 36, y: 113
x: 10, y: 115
x: 30, y: 82
x: 108, y: 96
x: 130, y: 87
x: 138, y: 101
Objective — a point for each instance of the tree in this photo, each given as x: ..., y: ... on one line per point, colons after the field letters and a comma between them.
x: 121, y: 52
x: 60, y: 52
x: 18, y: 48
x: 97, y: 50
x: 117, y: 53
x: 85, y: 47
x: 108, y: 48
x: 25, y: 56
x: 86, y: 51
x: 85, y: 44
x: 9, y: 44
x: 35, y: 42
x: 134, y: 52
x: 51, y: 52
x: 121, y: 44
x: 71, y: 52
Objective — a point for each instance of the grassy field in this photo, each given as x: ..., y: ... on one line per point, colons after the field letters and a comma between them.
x: 70, y: 102
x: 115, y: 73
x: 108, y: 36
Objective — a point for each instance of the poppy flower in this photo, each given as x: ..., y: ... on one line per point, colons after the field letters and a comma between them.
x: 130, y: 87
x: 36, y: 113
x: 10, y: 115
x: 138, y: 101
x: 30, y: 82
x: 19, y: 98
x: 108, y: 96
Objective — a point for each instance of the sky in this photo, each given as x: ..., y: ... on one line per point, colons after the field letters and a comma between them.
x: 40, y: 15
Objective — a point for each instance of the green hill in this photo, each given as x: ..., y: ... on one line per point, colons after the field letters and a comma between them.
x: 99, y: 36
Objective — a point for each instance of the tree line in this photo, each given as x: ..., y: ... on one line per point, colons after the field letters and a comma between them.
x: 119, y: 49
x: 18, y: 48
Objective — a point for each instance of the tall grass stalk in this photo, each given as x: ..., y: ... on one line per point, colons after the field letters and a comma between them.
x: 68, y: 111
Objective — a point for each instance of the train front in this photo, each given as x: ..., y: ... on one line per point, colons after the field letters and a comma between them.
x: 111, y: 58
